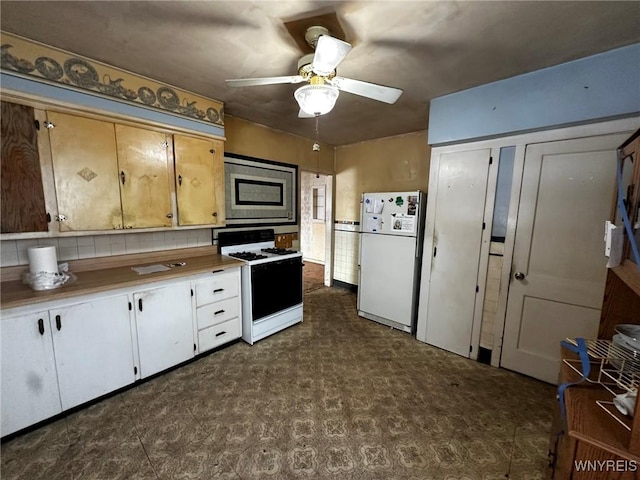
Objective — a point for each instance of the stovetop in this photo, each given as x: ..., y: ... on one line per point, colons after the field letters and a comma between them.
x: 253, y: 246
x: 247, y: 255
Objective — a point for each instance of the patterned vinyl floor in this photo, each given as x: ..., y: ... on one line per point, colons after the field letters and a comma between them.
x: 336, y: 397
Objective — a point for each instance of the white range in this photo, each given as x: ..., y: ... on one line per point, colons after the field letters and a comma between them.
x: 272, y: 287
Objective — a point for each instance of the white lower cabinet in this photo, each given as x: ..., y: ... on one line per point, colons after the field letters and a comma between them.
x: 165, y: 327
x: 67, y: 354
x: 29, y: 383
x: 93, y: 349
x: 218, y: 309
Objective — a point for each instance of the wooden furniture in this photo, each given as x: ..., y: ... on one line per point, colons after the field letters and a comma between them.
x: 622, y: 292
x: 590, y: 432
x: 23, y: 207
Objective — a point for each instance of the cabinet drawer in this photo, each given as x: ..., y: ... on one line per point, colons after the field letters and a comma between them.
x: 219, y: 334
x: 221, y: 286
x: 217, y: 312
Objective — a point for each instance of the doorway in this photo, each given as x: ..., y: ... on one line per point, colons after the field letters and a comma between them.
x: 315, y: 227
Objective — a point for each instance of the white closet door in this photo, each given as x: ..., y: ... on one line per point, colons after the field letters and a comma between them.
x: 457, y: 239
x: 566, y: 195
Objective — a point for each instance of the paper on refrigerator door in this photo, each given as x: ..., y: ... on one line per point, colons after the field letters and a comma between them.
x: 374, y: 224
x: 368, y: 205
x: 403, y: 223
x: 378, y: 205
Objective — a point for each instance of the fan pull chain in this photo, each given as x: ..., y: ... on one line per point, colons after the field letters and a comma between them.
x: 316, y: 148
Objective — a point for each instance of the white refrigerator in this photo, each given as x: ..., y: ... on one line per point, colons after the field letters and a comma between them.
x: 391, y: 226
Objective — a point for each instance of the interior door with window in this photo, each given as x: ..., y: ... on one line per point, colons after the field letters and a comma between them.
x: 558, y: 267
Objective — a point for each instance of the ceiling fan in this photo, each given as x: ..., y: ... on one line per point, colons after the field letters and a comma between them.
x: 319, y: 70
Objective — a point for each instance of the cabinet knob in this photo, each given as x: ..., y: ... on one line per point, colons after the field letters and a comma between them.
x: 169, y: 215
x: 214, y: 214
x: 49, y: 125
x: 212, y: 151
x: 61, y: 218
x: 519, y: 276
x: 180, y: 180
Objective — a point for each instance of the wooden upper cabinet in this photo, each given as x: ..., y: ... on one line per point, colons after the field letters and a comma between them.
x: 199, y: 167
x: 85, y: 168
x: 23, y: 206
x: 144, y: 177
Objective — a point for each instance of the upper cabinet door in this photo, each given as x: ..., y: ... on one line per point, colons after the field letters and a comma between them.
x: 23, y: 207
x: 144, y: 177
x: 86, y: 172
x: 199, y: 180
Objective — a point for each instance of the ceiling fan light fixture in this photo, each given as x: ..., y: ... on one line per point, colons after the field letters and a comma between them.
x: 316, y: 99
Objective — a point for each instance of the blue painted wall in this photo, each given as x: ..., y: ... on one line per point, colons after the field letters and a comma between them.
x: 20, y: 84
x: 594, y: 88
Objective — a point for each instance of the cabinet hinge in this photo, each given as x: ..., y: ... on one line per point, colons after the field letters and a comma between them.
x: 194, y: 347
x: 130, y: 306
x: 470, y: 348
x: 36, y: 123
x: 490, y: 160
x: 477, y: 288
x: 484, y: 225
x: 135, y: 370
x: 435, y: 250
x: 48, y: 217
x: 192, y: 292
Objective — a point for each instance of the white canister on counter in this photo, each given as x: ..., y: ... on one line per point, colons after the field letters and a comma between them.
x: 42, y: 259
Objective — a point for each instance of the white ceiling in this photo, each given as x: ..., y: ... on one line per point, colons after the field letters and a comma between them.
x: 428, y: 49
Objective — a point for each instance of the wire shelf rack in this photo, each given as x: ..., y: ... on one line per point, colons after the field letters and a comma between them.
x: 615, y: 368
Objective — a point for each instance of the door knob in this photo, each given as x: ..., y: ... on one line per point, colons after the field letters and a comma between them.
x: 519, y: 276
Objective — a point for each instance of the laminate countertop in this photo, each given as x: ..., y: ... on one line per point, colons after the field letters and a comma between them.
x: 13, y: 293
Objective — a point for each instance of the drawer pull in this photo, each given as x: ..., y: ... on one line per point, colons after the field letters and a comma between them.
x: 41, y: 326
x: 220, y: 334
x: 217, y: 271
x: 58, y: 322
x: 218, y: 312
x: 218, y: 290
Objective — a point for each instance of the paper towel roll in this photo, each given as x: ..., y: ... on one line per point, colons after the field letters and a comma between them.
x: 42, y: 259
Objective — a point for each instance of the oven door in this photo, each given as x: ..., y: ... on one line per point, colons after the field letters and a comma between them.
x: 275, y: 286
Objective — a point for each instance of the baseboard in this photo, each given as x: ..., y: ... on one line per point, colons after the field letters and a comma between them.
x: 345, y: 286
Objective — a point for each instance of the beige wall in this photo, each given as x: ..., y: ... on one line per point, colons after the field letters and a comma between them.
x: 399, y: 163
x: 254, y: 140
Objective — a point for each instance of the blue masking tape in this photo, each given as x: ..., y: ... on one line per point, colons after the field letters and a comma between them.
x: 581, y: 350
x: 625, y: 217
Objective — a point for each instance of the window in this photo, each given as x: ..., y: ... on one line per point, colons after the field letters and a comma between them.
x: 318, y: 203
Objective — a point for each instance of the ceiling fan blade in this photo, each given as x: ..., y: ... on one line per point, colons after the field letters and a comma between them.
x: 329, y: 53
x: 303, y: 114
x: 254, y: 82
x: 366, y: 89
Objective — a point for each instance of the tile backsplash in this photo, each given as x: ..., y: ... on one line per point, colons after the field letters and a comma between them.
x: 14, y: 252
x: 347, y: 249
